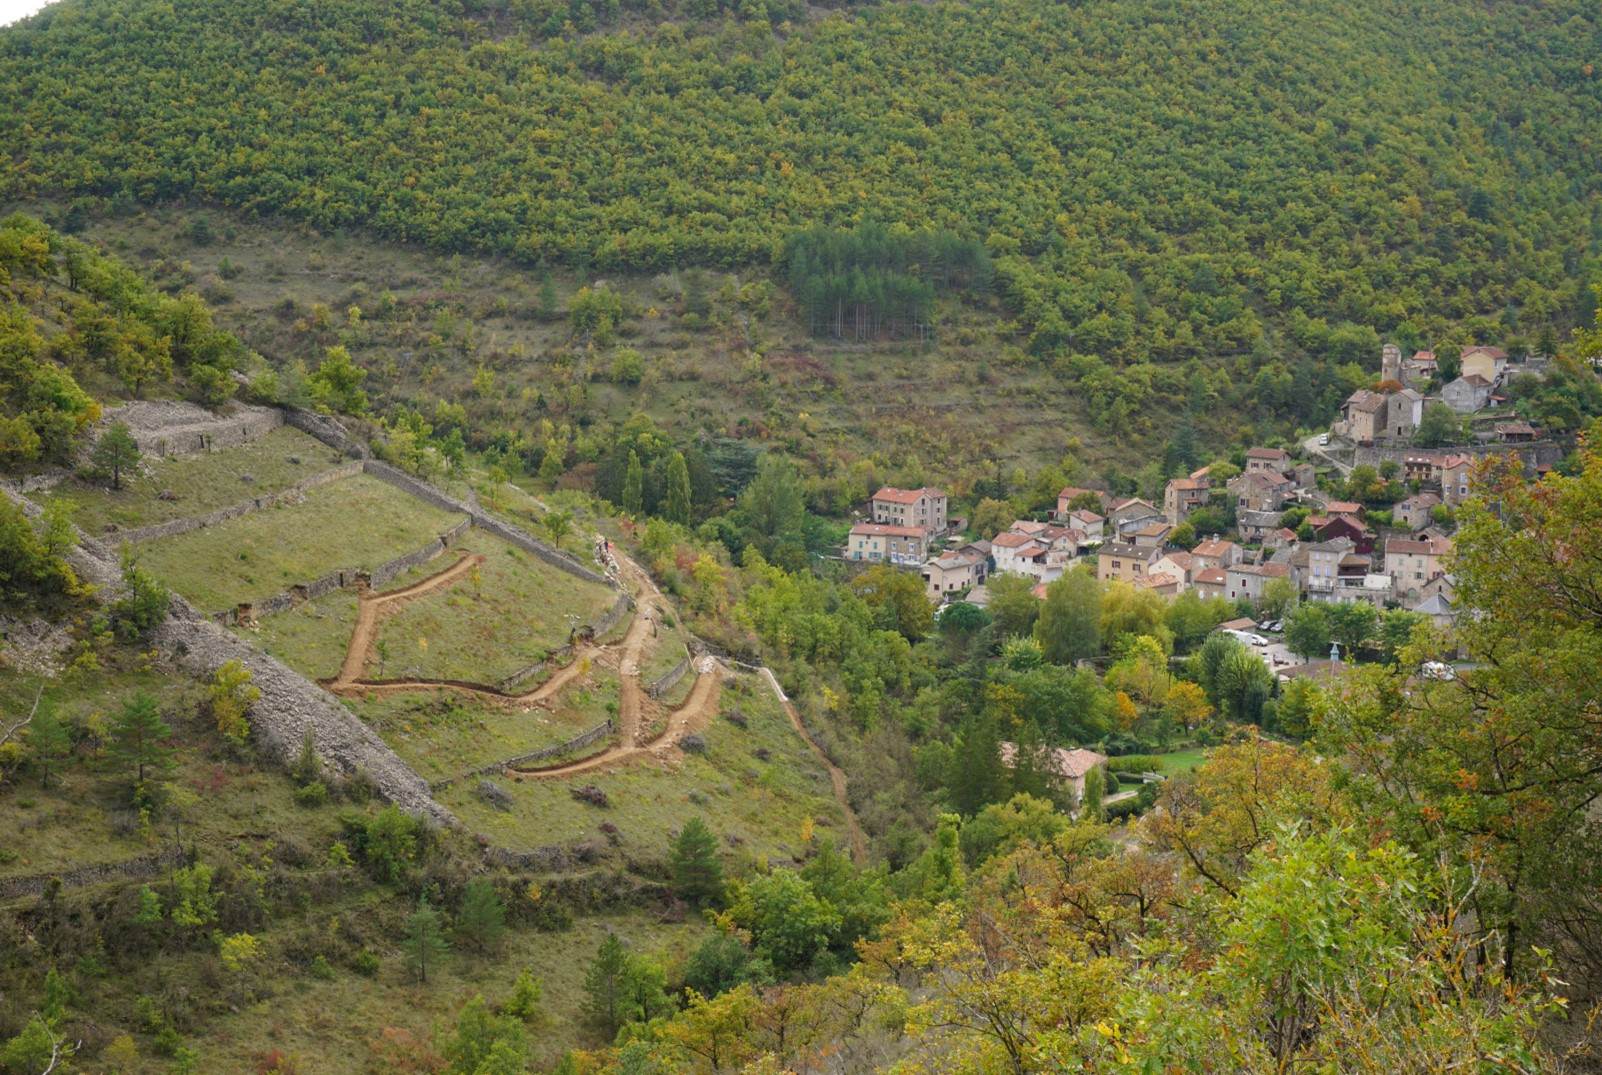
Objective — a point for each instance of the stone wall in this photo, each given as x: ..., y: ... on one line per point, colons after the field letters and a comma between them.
x: 174, y: 527
x: 326, y: 429
x: 167, y: 428
x: 669, y: 679
x: 344, y: 577
x: 552, y: 661
x: 290, y: 706
x: 577, y: 743
x: 612, y: 616
x: 1534, y: 454
x: 505, y: 531
x: 142, y: 868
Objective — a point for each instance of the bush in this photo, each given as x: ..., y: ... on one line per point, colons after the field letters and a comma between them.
x: 1135, y: 763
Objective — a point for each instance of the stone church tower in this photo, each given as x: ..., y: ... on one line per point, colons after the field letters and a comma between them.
x: 1391, y: 363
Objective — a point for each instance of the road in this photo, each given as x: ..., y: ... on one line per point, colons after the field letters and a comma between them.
x: 1317, y: 454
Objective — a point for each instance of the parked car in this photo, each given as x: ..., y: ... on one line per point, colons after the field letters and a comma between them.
x: 1257, y: 640
x: 1323, y: 439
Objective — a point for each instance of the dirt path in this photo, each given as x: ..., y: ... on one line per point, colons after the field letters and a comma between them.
x: 371, y: 606
x: 691, y: 717
x: 837, y: 777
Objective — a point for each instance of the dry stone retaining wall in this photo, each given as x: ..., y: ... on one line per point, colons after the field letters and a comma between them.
x: 174, y: 527
x: 578, y: 742
x: 167, y: 428
x: 612, y: 616
x: 142, y: 868
x: 345, y: 577
x: 505, y: 531
x: 290, y: 706
x: 669, y: 679
x: 553, y: 660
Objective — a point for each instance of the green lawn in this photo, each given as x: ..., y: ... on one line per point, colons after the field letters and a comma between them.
x: 1182, y: 761
x: 198, y: 483
x: 515, y: 611
x: 443, y: 734
x: 312, y: 637
x: 762, y: 804
x: 359, y: 522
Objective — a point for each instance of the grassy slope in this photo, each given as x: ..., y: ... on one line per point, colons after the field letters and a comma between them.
x: 198, y: 483
x: 761, y: 804
x: 515, y: 611
x: 258, y: 555
x: 968, y: 403
x: 444, y: 734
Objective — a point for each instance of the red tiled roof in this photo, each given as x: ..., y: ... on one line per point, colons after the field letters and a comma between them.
x: 1210, y: 575
x: 1010, y: 540
x: 898, y: 496
x: 1267, y: 453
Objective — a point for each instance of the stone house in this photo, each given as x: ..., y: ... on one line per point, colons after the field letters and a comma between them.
x: 1457, y: 473
x: 1153, y: 534
x: 1261, y: 490
x: 1209, y: 581
x: 1124, y: 562
x: 1486, y: 362
x: 1420, y: 369
x: 1181, y: 496
x: 1412, y: 563
x: 1130, y: 515
x: 1414, y: 512
x: 1363, y: 416
x: 882, y: 543
x: 1178, y: 565
x: 1248, y: 580
x: 1266, y: 460
x: 1069, y: 493
x: 1404, y: 411
x: 1093, y: 526
x: 1071, y: 766
x: 1467, y: 394
x: 1330, y: 527
x: 926, y: 508
x: 1315, y: 566
x: 1256, y: 526
x: 955, y: 571
x: 1216, y: 552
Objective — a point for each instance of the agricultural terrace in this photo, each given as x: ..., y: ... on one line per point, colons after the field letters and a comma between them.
x: 443, y: 734
x: 756, y: 776
x: 182, y: 487
x: 511, y: 610
x: 358, y: 522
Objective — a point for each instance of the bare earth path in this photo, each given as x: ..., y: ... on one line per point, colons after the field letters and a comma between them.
x: 693, y: 716
x: 837, y: 777
x: 697, y: 712
x: 370, y: 606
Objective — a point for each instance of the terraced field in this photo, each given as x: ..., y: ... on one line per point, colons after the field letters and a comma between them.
x: 186, y: 486
x: 359, y: 522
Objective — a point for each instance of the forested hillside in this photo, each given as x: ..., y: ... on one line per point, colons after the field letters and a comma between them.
x: 1155, y: 180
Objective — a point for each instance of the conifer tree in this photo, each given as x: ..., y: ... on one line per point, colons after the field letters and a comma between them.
x: 49, y: 742
x: 424, y: 944
x: 697, y: 873
x: 138, y: 736
x: 677, y: 504
x: 481, y: 922
x: 634, y: 486
x: 606, y: 985
x: 115, y: 453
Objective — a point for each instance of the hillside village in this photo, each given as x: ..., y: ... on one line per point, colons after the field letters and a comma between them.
x: 1361, y: 513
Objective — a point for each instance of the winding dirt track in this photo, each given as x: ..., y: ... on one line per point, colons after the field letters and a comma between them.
x: 697, y: 712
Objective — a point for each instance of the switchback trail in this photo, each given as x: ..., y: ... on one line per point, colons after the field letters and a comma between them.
x: 370, y: 605
x: 693, y: 716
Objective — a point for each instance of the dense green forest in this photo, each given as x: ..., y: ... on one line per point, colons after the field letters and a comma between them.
x: 1155, y: 180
